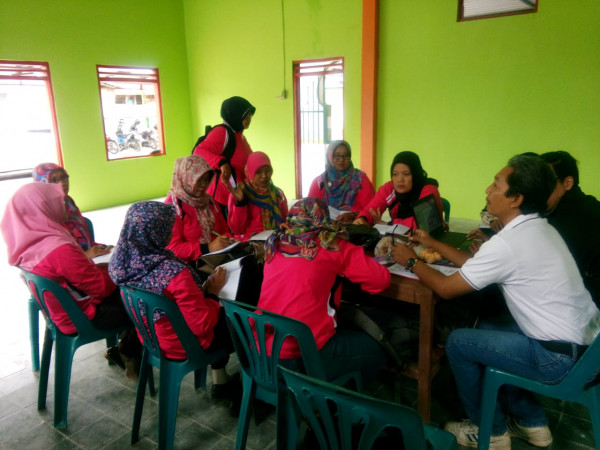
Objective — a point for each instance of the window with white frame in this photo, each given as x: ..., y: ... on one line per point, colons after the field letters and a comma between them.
x: 131, y: 111
x: 483, y: 9
x: 28, y: 130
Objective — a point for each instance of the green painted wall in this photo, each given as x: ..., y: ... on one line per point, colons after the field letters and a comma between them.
x: 467, y: 96
x: 74, y: 36
x: 235, y: 47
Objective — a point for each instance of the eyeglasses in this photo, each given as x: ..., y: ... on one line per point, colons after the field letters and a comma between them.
x: 345, y: 156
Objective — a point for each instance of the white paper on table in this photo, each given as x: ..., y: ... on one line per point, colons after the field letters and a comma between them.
x: 262, y: 236
x: 232, y: 278
x: 398, y: 229
x: 103, y: 258
x: 402, y: 271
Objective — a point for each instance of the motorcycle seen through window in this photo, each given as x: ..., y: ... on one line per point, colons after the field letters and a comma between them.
x: 131, y: 111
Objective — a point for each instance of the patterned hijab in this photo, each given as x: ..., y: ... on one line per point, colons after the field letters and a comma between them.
x: 233, y: 111
x: 140, y: 258
x: 31, y: 224
x: 186, y: 174
x: 76, y: 223
x: 307, y: 229
x: 265, y: 200
x: 340, y: 187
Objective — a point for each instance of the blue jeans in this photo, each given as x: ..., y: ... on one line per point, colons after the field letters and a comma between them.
x: 347, y: 351
x: 505, y: 347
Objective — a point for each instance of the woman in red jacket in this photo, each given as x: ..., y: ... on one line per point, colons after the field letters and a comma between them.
x: 141, y: 260
x: 409, y: 183
x: 37, y: 242
x: 237, y: 113
x: 199, y: 226
x: 342, y: 186
x: 305, y: 259
x: 256, y: 204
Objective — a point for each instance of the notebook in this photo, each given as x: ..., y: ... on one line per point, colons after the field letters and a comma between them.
x: 428, y: 218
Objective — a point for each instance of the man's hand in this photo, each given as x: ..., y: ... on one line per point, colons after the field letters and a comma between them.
x: 401, y: 253
x: 422, y: 237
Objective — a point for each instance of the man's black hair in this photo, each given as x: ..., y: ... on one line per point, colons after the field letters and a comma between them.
x: 564, y: 165
x: 533, y: 179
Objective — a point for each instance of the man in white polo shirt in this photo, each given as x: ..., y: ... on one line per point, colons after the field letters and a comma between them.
x: 553, y: 316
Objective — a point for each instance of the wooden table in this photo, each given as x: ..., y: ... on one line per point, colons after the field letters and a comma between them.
x: 427, y: 366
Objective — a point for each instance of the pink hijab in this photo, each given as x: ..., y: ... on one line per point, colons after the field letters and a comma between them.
x: 31, y: 225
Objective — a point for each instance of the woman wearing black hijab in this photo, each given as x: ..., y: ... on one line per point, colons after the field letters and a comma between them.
x: 409, y: 183
x: 237, y: 114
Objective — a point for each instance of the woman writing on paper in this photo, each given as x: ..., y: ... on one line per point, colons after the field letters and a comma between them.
x: 199, y: 226
x: 256, y: 204
x: 342, y: 186
x: 409, y: 183
x: 305, y: 258
x: 142, y: 260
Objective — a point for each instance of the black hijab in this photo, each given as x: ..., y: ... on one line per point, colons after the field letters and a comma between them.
x: 419, y: 179
x: 233, y: 111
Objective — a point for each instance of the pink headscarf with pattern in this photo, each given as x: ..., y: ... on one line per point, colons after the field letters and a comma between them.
x: 31, y: 225
x: 186, y: 174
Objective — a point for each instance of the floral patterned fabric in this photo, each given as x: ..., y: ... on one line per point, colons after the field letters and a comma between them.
x: 307, y: 229
x: 340, y: 187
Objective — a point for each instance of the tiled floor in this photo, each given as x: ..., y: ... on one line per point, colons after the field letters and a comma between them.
x: 101, y: 398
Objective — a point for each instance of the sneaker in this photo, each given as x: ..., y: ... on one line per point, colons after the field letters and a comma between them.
x: 113, y: 355
x: 538, y: 436
x: 467, y: 435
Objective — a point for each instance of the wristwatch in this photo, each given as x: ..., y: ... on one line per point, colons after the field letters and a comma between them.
x: 410, y: 264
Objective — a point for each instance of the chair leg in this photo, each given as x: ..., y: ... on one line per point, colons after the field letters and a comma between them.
x: 145, y: 368
x: 45, y: 368
x: 63, y: 361
x: 168, y: 399
x: 488, y: 405
x: 593, y: 405
x: 245, y: 412
x: 200, y: 378
x: 34, y: 333
x: 111, y: 342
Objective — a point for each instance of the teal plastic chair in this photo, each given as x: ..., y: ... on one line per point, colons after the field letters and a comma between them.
x: 34, y: 319
x: 575, y: 387
x: 343, y: 419
x: 249, y: 328
x: 446, y: 207
x: 141, y: 304
x: 66, y: 345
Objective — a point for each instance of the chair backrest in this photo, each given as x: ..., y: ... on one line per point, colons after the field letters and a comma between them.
x: 446, y: 207
x: 344, y: 419
x: 38, y: 285
x: 251, y: 326
x: 90, y: 226
x: 585, y: 368
x: 141, y: 306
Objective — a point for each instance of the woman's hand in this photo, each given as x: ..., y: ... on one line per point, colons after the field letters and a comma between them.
x: 219, y: 243
x: 360, y: 221
x: 237, y: 192
x: 376, y: 216
x: 347, y: 217
x: 215, y: 281
x: 225, y: 173
x: 98, y: 250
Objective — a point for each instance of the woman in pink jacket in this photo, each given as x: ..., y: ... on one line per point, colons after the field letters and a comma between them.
x: 409, y: 183
x: 342, y: 186
x: 199, y: 226
x: 37, y: 242
x: 237, y: 113
x: 306, y: 259
x: 257, y: 204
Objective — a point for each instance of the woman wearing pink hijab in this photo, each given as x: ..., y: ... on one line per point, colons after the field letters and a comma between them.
x: 256, y: 204
x: 36, y: 241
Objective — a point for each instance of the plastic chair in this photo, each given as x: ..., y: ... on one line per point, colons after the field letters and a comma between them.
x: 34, y: 319
x: 249, y: 328
x: 446, y: 207
x: 66, y: 345
x: 141, y: 304
x: 575, y: 387
x: 343, y: 419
